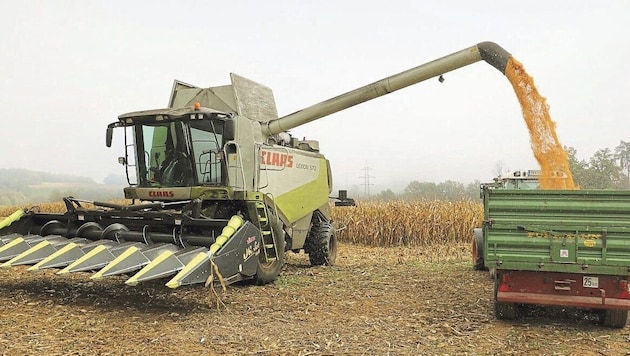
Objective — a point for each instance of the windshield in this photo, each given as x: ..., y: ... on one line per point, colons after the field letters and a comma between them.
x: 179, y: 153
x: 206, y: 138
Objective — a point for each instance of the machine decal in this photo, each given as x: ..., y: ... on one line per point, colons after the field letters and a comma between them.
x: 276, y: 159
x: 161, y: 193
x: 551, y: 235
x: 251, y: 251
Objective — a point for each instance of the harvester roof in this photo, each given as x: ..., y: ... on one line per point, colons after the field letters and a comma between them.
x: 165, y: 114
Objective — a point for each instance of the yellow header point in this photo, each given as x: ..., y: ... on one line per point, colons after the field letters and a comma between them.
x: 173, y: 284
x: 65, y: 249
x: 135, y: 279
x: 12, y: 243
x: 132, y: 281
x: 24, y: 254
x: 128, y: 252
x: 96, y: 250
x: 200, y: 258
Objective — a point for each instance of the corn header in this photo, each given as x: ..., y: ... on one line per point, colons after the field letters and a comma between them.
x: 217, y: 184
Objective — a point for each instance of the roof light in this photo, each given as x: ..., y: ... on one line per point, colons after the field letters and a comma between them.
x: 197, y: 106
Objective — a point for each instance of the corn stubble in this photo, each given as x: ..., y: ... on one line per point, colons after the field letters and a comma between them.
x: 407, y: 223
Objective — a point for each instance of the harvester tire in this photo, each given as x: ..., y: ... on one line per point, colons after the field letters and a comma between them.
x: 613, y: 318
x: 321, y: 244
x: 268, y: 271
x: 478, y: 250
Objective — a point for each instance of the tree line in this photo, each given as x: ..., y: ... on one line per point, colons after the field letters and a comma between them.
x: 606, y: 169
x: 23, y: 186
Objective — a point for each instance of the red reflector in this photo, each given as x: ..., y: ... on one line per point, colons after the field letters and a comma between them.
x: 503, y: 287
x: 623, y: 285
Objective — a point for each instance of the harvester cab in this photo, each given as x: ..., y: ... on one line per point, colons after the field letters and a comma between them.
x: 514, y: 180
x: 172, y: 150
x: 529, y: 179
x: 217, y: 184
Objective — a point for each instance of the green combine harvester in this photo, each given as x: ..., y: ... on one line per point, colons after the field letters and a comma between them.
x: 218, y: 187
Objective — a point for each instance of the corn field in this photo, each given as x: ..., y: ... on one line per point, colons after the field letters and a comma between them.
x: 407, y: 223
x: 57, y: 207
x: 383, y: 224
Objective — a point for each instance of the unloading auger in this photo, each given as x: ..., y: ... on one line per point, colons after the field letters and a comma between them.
x: 215, y: 178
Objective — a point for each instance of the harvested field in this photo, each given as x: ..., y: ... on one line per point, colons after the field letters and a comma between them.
x: 397, y: 301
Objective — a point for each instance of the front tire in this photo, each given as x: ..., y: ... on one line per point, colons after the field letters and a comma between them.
x: 268, y: 271
x: 321, y: 243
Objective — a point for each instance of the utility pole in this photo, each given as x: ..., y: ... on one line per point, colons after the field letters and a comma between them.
x: 366, y: 180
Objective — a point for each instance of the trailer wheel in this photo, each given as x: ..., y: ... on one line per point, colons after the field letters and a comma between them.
x: 478, y: 250
x: 613, y: 318
x: 268, y: 271
x: 321, y: 243
x: 503, y: 311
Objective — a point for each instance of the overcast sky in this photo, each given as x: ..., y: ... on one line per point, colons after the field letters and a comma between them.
x: 68, y: 68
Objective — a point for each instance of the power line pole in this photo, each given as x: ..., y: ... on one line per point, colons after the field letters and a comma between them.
x: 366, y: 180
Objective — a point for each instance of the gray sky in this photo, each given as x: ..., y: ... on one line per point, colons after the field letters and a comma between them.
x: 68, y: 68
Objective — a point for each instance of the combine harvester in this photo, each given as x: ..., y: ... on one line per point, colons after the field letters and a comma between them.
x: 217, y: 185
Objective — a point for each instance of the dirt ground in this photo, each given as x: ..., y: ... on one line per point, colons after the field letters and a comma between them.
x: 385, y: 301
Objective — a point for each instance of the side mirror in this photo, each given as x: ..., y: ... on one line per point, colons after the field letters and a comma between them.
x: 108, y: 136
x: 229, y: 130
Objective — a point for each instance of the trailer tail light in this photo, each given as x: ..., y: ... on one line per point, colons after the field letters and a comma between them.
x: 505, y: 280
x: 623, y: 285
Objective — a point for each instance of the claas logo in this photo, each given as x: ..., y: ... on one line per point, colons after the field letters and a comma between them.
x: 161, y: 193
x: 276, y: 159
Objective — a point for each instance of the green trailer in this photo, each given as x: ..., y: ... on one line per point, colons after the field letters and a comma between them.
x: 559, y: 247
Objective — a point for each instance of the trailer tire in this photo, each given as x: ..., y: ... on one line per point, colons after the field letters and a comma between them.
x: 478, y: 251
x: 613, y: 318
x: 268, y: 272
x: 503, y: 311
x: 321, y: 243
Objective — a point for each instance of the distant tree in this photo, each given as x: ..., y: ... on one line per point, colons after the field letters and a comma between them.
x: 418, y: 190
x: 472, y: 190
x: 579, y: 169
x: 385, y: 195
x: 622, y: 155
x: 447, y: 190
x: 451, y: 190
x: 10, y: 197
x: 604, y: 173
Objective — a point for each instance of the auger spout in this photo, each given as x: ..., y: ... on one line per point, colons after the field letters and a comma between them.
x: 490, y: 52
